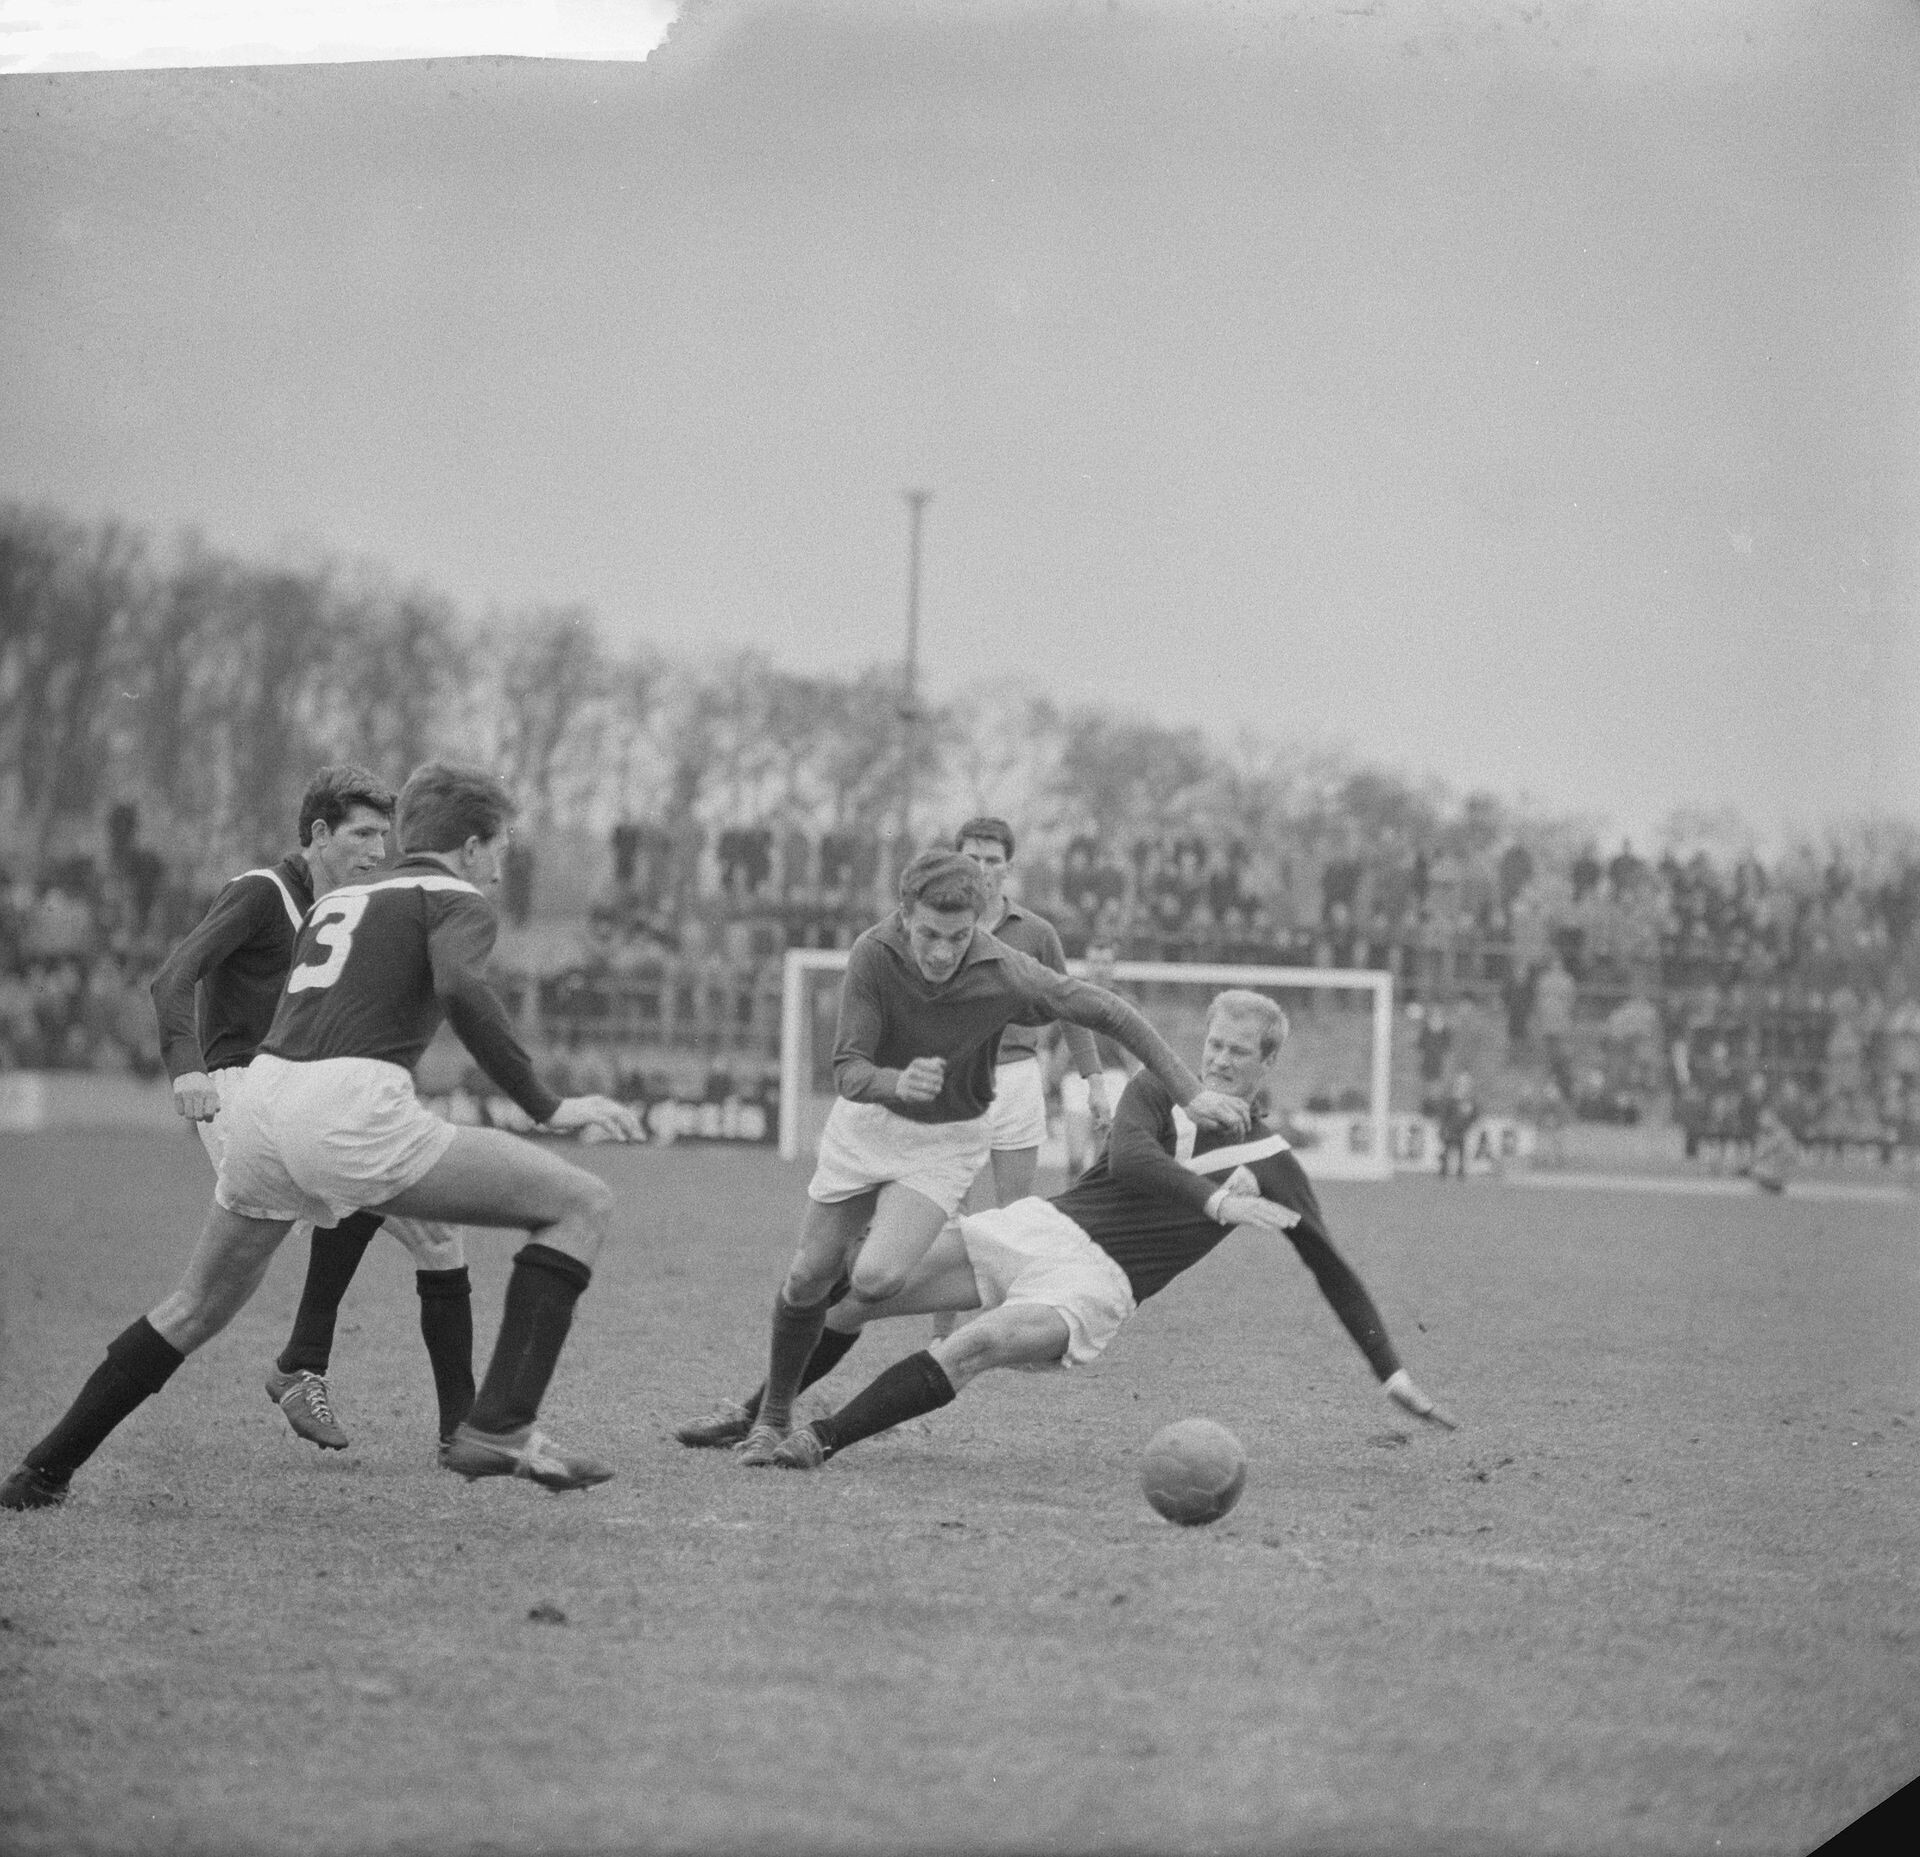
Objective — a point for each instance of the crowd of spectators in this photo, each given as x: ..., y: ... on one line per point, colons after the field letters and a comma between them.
x: 1622, y: 985
x: 76, y: 951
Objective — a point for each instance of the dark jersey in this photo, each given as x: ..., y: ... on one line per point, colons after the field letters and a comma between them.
x: 377, y: 966
x: 891, y: 1014
x: 1144, y: 1202
x: 236, y: 961
x: 1034, y: 935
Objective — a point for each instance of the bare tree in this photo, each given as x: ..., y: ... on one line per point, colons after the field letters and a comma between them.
x: 403, y: 665
x: 549, y: 672
x: 67, y: 597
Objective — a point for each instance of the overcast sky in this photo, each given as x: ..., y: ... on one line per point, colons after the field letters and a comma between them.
x: 1520, y: 394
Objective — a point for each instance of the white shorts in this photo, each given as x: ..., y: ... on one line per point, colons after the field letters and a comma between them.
x: 1073, y: 1091
x: 323, y: 1139
x: 1032, y: 1252
x: 1018, y: 1117
x: 432, y: 1245
x: 864, y: 1146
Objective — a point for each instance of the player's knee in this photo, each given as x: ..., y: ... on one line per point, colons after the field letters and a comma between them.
x: 873, y: 1283
x: 592, y: 1199
x: 808, y: 1281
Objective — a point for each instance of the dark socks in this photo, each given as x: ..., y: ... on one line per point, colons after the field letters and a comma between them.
x: 446, y: 1325
x: 539, y: 1310
x: 140, y: 1361
x: 907, y: 1389
x: 334, y: 1257
x: 828, y: 1352
x: 796, y: 1333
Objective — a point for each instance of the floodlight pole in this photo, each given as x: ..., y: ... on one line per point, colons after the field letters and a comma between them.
x: 917, y: 501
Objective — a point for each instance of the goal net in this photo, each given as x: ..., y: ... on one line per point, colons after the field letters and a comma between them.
x: 1329, y: 1090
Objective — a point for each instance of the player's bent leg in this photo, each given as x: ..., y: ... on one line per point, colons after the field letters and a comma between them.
x: 431, y: 1245
x: 731, y: 1422
x: 942, y: 1283
x: 905, y: 1225
x: 226, y: 1267
x: 488, y: 1177
x: 1020, y: 1334
x: 830, y: 1234
x: 440, y: 1276
x: 1023, y: 1334
x: 224, y: 1270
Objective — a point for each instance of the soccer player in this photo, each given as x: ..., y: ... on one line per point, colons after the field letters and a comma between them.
x: 925, y: 999
x: 237, y: 961
x: 325, y: 1123
x: 1058, y: 1277
x: 1017, y: 1121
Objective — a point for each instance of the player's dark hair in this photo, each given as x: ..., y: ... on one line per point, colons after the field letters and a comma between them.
x: 445, y: 803
x: 994, y: 831
x: 943, y: 880
x: 335, y: 791
x: 1254, y: 1009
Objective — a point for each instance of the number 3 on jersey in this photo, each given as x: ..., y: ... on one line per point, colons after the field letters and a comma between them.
x: 332, y: 924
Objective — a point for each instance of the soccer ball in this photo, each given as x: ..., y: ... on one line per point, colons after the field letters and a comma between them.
x: 1193, y: 1471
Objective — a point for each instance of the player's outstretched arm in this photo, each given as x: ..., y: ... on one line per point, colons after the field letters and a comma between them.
x: 1080, y: 1002
x: 1409, y: 1398
x: 595, y: 1118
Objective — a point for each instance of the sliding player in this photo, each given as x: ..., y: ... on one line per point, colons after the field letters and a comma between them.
x: 1057, y: 1278
x: 921, y: 1011
x: 236, y: 961
x: 325, y: 1123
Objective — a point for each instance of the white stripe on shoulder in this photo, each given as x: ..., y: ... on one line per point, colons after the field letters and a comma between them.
x: 286, y: 896
x: 1224, y: 1160
x: 1185, y: 1131
x: 409, y: 882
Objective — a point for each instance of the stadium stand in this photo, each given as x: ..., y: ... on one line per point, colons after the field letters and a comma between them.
x: 1631, y: 989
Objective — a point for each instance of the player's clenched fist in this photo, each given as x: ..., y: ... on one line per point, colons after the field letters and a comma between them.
x: 596, y: 1117
x: 195, y: 1097
x: 1215, y: 1109
x: 921, y: 1080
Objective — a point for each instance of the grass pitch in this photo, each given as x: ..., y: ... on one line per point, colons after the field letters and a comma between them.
x: 1659, y: 1595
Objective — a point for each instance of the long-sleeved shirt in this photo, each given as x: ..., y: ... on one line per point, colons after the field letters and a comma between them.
x: 1035, y: 935
x: 891, y: 1014
x: 1145, y: 1203
x: 377, y: 966
x: 236, y: 961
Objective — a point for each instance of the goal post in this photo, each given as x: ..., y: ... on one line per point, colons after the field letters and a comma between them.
x: 1340, y: 1054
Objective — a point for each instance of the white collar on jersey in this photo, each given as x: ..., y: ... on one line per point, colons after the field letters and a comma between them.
x: 286, y: 895
x: 410, y: 881
x: 1219, y: 1160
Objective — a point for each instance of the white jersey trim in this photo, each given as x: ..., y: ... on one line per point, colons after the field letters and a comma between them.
x: 1219, y: 1160
x: 406, y: 883
x: 286, y: 896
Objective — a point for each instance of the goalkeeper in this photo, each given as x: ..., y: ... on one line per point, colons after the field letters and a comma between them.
x: 1057, y: 1278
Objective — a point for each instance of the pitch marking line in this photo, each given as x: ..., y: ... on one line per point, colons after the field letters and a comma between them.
x: 1718, y: 1185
